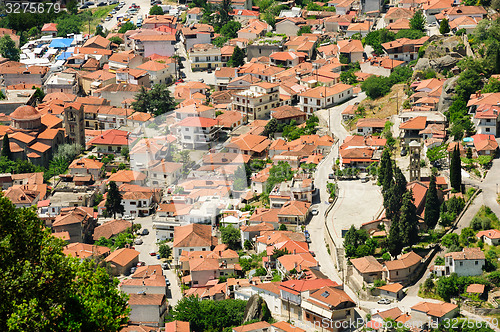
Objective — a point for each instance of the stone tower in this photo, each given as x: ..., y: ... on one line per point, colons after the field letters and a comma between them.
x: 414, y: 147
x: 74, y: 123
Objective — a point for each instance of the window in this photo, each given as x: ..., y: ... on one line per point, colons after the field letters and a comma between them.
x: 203, y: 249
x: 487, y: 130
x: 461, y: 263
x: 476, y: 263
x: 318, y: 102
x: 307, y: 315
x: 305, y: 100
x: 133, y: 203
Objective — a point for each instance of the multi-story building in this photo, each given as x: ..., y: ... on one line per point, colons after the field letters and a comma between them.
x: 257, y: 101
x: 321, y: 97
x: 197, y: 132
x: 206, y: 57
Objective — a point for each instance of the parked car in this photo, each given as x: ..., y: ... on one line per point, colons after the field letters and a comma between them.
x: 145, y: 231
x: 152, y: 253
x: 133, y: 269
x: 403, y: 152
x: 139, y: 24
x: 138, y: 241
x: 102, y: 3
x: 365, y: 179
x: 201, y: 80
x: 127, y: 217
x: 312, y: 253
x: 167, y: 281
x: 331, y: 176
x: 179, y: 81
x: 314, y: 212
x: 84, y: 6
x: 158, y: 256
x: 141, y: 264
x: 384, y: 301
x: 108, y: 18
x: 164, y: 266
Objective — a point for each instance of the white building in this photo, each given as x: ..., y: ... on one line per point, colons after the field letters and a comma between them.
x: 468, y: 262
x: 137, y: 203
x: 197, y: 132
x: 322, y: 97
x: 257, y: 101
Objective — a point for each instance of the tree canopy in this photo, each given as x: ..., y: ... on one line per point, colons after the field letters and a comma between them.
x: 44, y: 290
x: 113, y: 200
x: 238, y: 57
x: 156, y: 10
x: 156, y: 101
x: 231, y: 236
x: 418, y: 21
x: 8, y: 48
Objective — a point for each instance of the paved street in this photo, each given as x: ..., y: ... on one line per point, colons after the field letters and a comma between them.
x: 144, y: 10
x: 174, y: 292
x: 193, y: 75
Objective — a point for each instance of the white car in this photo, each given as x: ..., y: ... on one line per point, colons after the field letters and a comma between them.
x: 138, y: 241
x: 314, y: 212
x: 384, y: 301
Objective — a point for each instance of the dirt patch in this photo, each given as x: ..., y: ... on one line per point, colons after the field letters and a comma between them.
x: 383, y: 107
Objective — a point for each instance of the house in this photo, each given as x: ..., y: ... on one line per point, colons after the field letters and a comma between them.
x: 124, y: 60
x: 402, y: 269
x: 177, y: 326
x: 79, y: 222
x: 137, y: 204
x: 397, y: 13
x: 84, y: 251
x: 148, y: 309
x: 128, y: 177
x: 61, y: 82
x: 159, y: 73
x: 111, y: 228
x: 117, y: 93
x: 85, y: 166
x: 194, y: 15
x: 290, y: 25
x: 193, y: 237
x: 95, y: 80
x: 465, y: 22
x: 257, y: 101
x: 146, y: 42
x: 475, y: 12
x: 369, y: 126
x: 468, y: 262
x: 490, y: 237
x: 392, y: 291
x: 110, y: 142
x: 244, y: 16
x: 398, y: 25
x: 286, y: 113
x: 411, y: 129
x: 381, y: 66
x: 485, y: 145
x: 149, y: 283
x: 197, y: 132
x: 320, y: 97
x: 362, y: 28
x: 164, y: 173
x: 331, y: 305
x: 253, y: 30
x: 196, y: 34
x: 433, y: 7
x: 205, y: 56
x: 121, y: 260
x: 264, y: 46
x: 297, y: 262
x: 236, y: 4
x: 366, y: 269
x: 352, y: 49
x: 157, y: 21
x: 254, y: 327
x: 133, y: 76
x: 404, y: 49
x: 287, y: 59
x: 98, y: 42
x: 486, y: 119
x: 49, y: 29
x: 294, y: 292
x: 476, y: 289
x: 434, y: 312
x: 230, y: 119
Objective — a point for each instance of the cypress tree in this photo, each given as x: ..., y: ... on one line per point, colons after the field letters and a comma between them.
x: 432, y: 205
x: 113, y: 201
x: 455, y: 169
x: 385, y: 170
x: 6, y: 148
x: 408, y: 222
x: 393, y: 197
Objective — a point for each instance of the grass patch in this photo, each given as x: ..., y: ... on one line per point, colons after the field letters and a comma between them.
x: 485, y: 219
x: 102, y: 11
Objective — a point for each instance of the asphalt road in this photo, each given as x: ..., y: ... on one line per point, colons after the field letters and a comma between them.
x: 144, y: 10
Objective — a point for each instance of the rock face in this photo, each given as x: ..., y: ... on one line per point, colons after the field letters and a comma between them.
x: 445, y: 62
x: 446, y: 98
x: 256, y: 309
x: 422, y: 64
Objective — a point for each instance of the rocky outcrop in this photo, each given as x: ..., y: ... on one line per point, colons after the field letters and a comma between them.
x: 439, y: 64
x: 447, y: 94
x: 422, y: 64
x: 256, y: 309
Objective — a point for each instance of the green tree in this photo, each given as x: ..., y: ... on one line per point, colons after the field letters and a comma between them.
x: 68, y: 26
x: 432, y: 205
x: 99, y: 31
x: 444, y: 26
x: 164, y: 250
x: 408, y: 221
x: 33, y: 32
x: 72, y: 7
x: 231, y: 236
x: 222, y: 11
x: 376, y: 86
x: 240, y: 179
x: 447, y: 287
x: 248, y: 245
x: 393, y: 197
x: 238, y: 57
x: 418, y: 21
x: 230, y: 29
x: 156, y: 101
x: 6, y: 153
x: 493, y: 85
x: 304, y: 29
x: 8, y: 48
x: 394, y: 241
x: 116, y: 40
x: 271, y: 127
x: 410, y: 34
x: 385, y: 173
x: 348, y: 77
x: 282, y: 227
x: 113, y: 200
x: 53, y: 291
x: 155, y: 10
x: 126, y: 27
x: 456, y: 170
x: 277, y: 174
